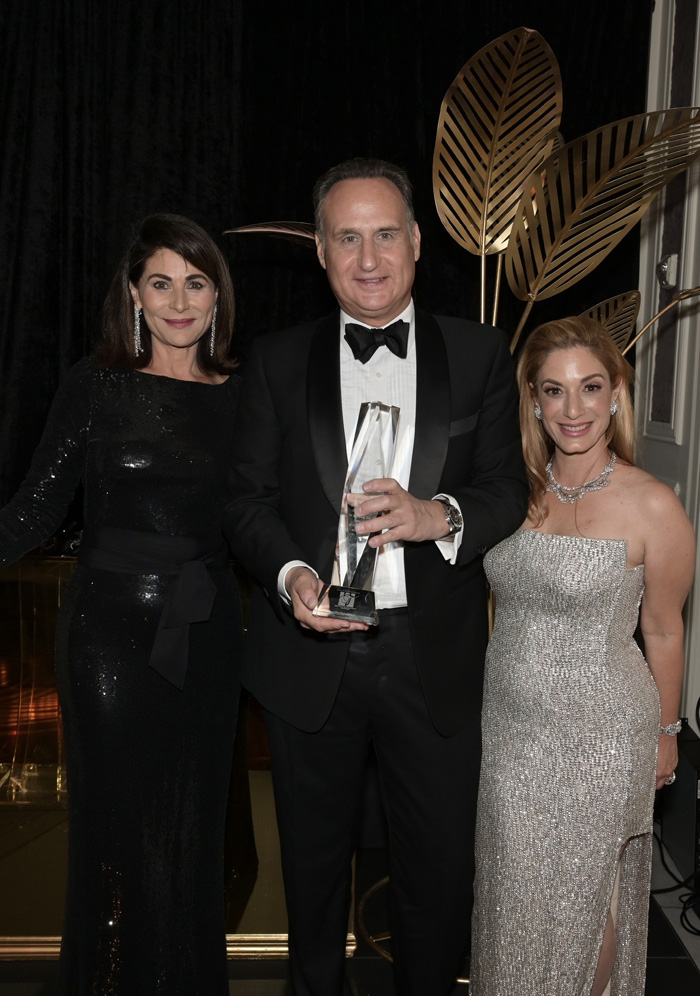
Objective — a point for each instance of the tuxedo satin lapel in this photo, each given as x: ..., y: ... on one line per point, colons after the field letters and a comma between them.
x: 324, y: 409
x: 433, y: 406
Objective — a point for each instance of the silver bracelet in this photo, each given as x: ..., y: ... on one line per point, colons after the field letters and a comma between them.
x: 673, y: 729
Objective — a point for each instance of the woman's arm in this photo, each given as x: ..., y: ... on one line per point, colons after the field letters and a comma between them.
x: 669, y: 564
x: 39, y: 506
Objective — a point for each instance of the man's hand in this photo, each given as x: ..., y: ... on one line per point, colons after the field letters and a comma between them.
x: 403, y: 516
x: 304, y: 588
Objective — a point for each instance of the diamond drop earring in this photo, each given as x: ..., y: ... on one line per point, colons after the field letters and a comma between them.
x: 137, y: 331
x: 212, y: 332
x: 614, y: 408
x: 538, y: 413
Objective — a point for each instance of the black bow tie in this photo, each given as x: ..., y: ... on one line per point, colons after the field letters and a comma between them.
x: 364, y: 342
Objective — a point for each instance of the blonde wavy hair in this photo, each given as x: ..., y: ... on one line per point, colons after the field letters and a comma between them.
x: 569, y: 333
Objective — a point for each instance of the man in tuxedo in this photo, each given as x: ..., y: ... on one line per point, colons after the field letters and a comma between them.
x: 409, y: 688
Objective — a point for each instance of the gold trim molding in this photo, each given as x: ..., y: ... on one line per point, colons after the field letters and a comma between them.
x: 237, y: 946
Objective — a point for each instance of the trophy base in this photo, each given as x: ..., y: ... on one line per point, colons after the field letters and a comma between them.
x: 344, y: 602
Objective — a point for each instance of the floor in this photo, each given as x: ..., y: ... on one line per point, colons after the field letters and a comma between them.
x: 671, y: 971
x: 32, y: 857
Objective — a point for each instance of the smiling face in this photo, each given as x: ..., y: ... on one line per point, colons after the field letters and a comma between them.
x: 177, y: 300
x: 368, y: 250
x: 574, y: 391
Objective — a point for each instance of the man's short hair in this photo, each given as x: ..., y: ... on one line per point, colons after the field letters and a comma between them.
x: 362, y: 169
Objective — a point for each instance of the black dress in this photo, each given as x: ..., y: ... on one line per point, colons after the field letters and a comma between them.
x: 147, y: 762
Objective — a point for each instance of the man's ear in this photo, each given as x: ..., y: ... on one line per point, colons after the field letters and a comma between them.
x: 415, y: 239
x: 320, y: 251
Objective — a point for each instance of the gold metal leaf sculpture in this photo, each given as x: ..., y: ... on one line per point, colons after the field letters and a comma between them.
x: 300, y: 232
x: 497, y: 125
x: 681, y: 295
x: 590, y: 194
x: 618, y: 315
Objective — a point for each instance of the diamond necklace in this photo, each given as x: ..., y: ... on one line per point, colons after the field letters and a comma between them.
x: 572, y: 495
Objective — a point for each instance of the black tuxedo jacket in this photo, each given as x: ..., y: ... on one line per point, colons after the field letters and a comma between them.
x: 288, y: 472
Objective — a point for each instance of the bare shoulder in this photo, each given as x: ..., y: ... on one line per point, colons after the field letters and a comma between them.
x: 653, y: 519
x: 651, y: 497
x: 666, y: 534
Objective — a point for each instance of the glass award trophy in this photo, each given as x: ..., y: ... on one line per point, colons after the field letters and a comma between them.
x: 349, y: 594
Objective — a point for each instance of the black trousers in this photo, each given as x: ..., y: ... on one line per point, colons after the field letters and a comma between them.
x: 429, y: 785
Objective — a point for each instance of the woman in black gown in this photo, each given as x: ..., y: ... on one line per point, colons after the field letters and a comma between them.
x: 149, y: 630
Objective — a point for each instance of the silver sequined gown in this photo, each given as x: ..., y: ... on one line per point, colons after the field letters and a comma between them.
x: 570, y: 721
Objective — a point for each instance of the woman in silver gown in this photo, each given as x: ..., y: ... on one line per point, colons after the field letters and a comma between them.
x: 579, y: 730
x: 149, y: 630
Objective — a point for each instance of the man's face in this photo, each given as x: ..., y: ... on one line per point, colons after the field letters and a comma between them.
x: 368, y: 251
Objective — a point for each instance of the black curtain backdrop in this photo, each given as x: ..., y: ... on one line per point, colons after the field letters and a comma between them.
x: 227, y: 112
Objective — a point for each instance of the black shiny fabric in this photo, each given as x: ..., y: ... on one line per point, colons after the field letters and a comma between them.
x: 148, y: 763
x: 191, y: 593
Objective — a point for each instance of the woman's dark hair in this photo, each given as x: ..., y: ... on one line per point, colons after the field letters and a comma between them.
x: 187, y: 239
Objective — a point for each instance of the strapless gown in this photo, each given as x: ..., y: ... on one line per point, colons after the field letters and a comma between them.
x: 570, y: 731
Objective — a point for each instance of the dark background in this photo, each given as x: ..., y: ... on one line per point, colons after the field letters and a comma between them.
x: 227, y: 112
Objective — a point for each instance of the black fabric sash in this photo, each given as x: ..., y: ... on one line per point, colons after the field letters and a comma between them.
x: 190, y: 597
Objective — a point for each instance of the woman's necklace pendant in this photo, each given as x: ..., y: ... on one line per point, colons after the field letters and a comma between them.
x: 575, y: 494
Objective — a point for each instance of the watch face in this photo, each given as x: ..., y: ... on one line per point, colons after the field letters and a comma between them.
x: 453, y: 518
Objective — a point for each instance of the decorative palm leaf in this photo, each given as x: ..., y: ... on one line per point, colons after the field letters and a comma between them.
x: 618, y: 315
x: 301, y: 232
x: 497, y: 125
x: 590, y: 194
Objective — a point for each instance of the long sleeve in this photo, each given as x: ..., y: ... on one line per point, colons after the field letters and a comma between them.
x: 39, y: 506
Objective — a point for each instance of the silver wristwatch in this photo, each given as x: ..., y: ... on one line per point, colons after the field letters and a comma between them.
x: 453, y: 516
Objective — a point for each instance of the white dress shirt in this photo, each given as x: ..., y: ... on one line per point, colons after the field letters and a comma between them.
x: 388, y: 379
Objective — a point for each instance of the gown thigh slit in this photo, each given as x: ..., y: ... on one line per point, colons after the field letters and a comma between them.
x: 570, y: 728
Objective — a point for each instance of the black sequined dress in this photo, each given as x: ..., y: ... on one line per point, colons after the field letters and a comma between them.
x: 148, y: 763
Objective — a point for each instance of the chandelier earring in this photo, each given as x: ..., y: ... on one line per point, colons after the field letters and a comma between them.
x: 614, y: 408
x: 538, y: 413
x: 137, y: 330
x: 212, y: 332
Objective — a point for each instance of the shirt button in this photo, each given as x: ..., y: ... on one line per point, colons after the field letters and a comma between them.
x: 378, y: 375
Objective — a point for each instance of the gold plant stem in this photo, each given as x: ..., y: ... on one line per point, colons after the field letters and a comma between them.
x: 677, y: 298
x: 497, y: 289
x: 483, y: 289
x: 521, y: 323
